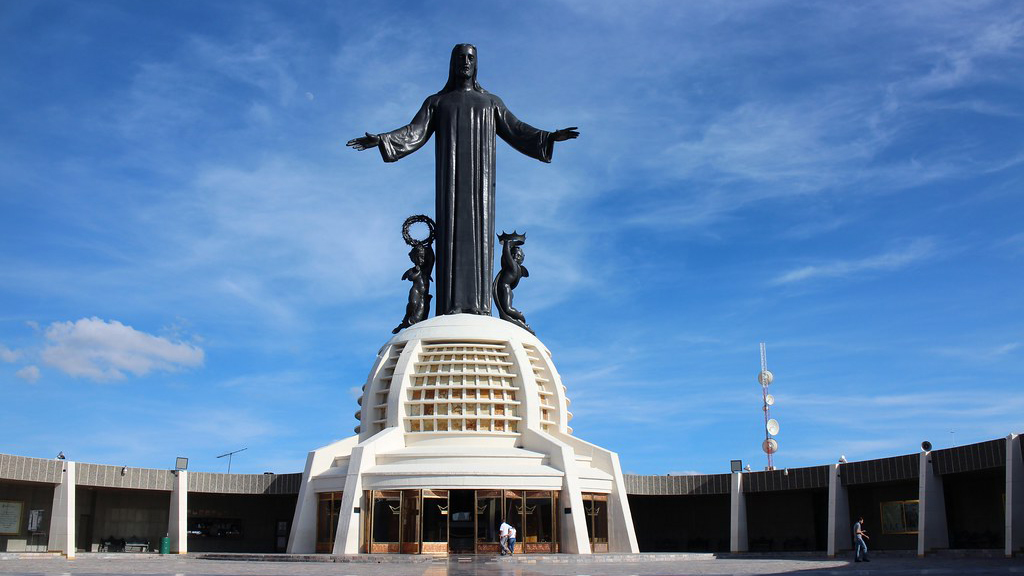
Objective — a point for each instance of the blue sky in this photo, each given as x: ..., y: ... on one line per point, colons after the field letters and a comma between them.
x: 192, y: 262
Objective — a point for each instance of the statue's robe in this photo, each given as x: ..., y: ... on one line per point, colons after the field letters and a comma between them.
x: 465, y: 123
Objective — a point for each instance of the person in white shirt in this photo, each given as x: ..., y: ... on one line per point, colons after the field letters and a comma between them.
x: 503, y: 537
x: 511, y: 539
x: 860, y: 553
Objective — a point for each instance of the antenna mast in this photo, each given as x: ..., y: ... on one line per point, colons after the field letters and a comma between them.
x: 230, y: 454
x: 771, y: 425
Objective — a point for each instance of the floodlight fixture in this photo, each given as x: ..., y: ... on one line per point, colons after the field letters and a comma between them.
x: 181, y: 463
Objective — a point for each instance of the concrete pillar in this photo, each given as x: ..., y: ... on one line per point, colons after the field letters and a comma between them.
x: 62, y: 518
x: 737, y: 514
x: 1014, y: 496
x: 572, y: 527
x: 363, y: 456
x: 931, y: 511
x: 302, y: 538
x: 840, y: 530
x: 621, y: 533
x: 177, y: 517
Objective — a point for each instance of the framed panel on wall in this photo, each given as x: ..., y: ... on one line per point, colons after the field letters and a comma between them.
x: 10, y: 517
x: 899, y: 517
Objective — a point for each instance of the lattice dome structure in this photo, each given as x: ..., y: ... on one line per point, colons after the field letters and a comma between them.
x: 460, y: 386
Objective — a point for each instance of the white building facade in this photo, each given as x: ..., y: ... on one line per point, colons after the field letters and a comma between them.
x: 464, y: 422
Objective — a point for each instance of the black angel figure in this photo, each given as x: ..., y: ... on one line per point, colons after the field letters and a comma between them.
x: 512, y: 270
x: 416, y: 310
x: 422, y: 256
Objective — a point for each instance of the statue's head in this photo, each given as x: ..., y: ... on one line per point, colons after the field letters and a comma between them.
x: 422, y: 255
x: 417, y: 254
x: 462, y: 68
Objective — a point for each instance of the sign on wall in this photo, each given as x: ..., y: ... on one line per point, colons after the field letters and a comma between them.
x: 10, y: 516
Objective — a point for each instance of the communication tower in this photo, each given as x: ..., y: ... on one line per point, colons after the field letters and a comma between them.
x: 771, y: 425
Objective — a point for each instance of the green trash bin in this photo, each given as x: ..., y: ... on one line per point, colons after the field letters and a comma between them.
x: 165, y: 545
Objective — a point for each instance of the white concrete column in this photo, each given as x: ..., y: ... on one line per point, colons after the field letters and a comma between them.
x: 62, y: 516
x: 346, y: 536
x: 177, y: 516
x: 363, y: 456
x: 572, y: 527
x: 1014, y: 496
x: 931, y: 509
x: 621, y: 533
x: 737, y: 514
x: 840, y: 530
x: 573, y: 535
x: 302, y: 538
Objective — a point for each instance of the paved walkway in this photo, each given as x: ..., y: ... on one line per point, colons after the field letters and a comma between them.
x: 646, y: 564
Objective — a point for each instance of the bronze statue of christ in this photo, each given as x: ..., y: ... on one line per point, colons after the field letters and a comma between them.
x: 465, y: 119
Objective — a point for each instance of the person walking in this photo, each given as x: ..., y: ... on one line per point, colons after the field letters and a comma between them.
x: 511, y: 540
x: 860, y: 553
x: 503, y: 537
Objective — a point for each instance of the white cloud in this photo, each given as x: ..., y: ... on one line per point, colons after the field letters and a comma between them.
x: 219, y: 427
x: 101, y: 350
x: 1015, y: 243
x: 29, y: 374
x: 897, y: 410
x: 956, y: 63
x: 8, y: 355
x: 980, y: 354
x: 919, y: 249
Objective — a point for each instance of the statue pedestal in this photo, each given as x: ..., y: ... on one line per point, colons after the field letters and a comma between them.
x: 464, y: 408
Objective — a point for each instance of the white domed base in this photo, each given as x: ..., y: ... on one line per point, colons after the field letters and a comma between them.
x: 464, y: 402
x: 467, y: 376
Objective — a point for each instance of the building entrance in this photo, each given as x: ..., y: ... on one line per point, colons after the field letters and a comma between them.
x: 424, y: 521
x: 462, y: 522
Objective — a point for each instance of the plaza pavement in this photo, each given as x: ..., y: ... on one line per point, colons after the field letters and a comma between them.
x: 644, y: 564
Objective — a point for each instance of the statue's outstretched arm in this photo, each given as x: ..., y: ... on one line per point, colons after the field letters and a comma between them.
x: 364, y: 142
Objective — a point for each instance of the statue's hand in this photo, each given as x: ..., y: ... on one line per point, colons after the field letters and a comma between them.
x: 565, y: 134
x: 364, y: 142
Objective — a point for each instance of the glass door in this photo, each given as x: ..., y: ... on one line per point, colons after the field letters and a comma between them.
x: 513, y: 509
x: 436, y: 521
x: 537, y: 533
x: 328, y: 508
x: 596, y: 508
x: 488, y: 518
x: 410, y: 521
x: 385, y: 524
